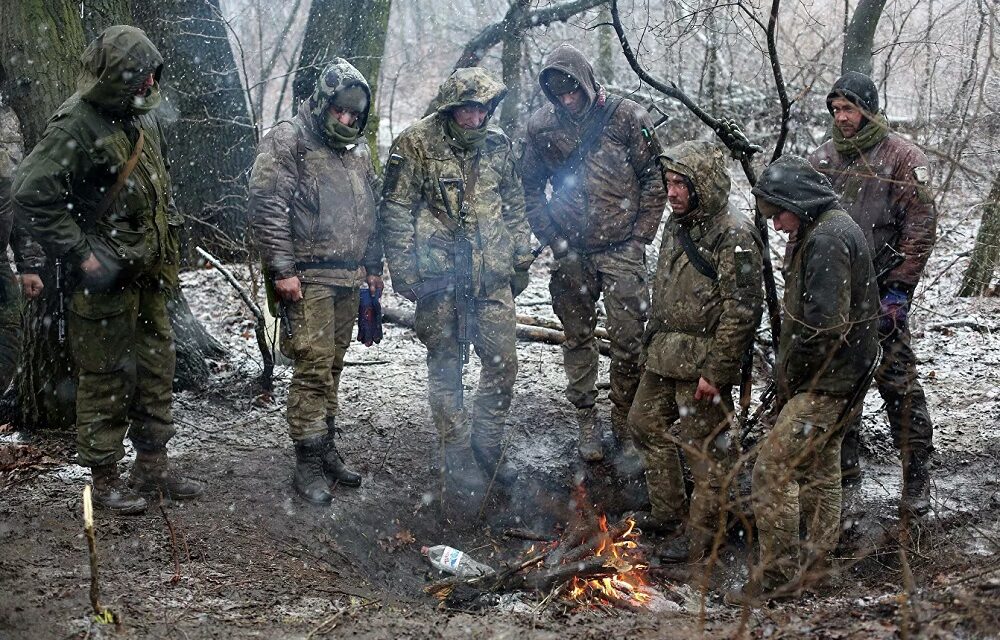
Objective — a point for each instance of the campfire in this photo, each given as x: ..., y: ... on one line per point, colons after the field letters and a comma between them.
x: 591, y: 564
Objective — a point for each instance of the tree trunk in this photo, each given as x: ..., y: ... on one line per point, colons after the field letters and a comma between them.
x: 860, y: 36
x: 98, y: 15
x: 986, y: 254
x: 513, y: 41
x: 351, y: 29
x: 210, y: 133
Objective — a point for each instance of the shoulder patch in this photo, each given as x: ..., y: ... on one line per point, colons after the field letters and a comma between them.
x: 392, y: 170
x: 921, y: 174
x: 745, y: 276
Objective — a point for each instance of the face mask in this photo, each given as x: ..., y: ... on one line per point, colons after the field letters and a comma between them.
x: 465, y: 138
x: 337, y: 134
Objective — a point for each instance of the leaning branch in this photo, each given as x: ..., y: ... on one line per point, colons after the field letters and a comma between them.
x: 779, y: 80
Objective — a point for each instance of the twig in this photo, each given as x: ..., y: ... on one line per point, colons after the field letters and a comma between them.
x: 526, y: 534
x: 173, y: 543
x: 101, y: 614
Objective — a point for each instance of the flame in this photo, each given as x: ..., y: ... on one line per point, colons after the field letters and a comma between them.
x: 628, y: 585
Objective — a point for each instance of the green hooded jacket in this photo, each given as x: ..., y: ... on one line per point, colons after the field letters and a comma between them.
x: 418, y: 246
x: 702, y: 327
x: 828, y: 332
x: 89, y: 139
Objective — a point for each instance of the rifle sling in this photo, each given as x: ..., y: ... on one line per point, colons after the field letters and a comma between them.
x: 697, y: 260
x: 470, y: 191
x: 123, y: 175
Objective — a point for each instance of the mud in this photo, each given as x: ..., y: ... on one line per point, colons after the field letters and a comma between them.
x: 251, y: 560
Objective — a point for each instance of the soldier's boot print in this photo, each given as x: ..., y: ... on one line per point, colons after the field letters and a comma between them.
x: 333, y: 463
x: 590, y: 446
x: 112, y: 493
x: 916, y: 498
x: 494, y: 463
x: 154, y: 474
x: 309, y: 480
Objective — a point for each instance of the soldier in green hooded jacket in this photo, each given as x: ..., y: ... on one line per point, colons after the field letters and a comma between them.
x: 706, y: 305
x: 455, y: 154
x: 312, y: 205
x: 116, y: 247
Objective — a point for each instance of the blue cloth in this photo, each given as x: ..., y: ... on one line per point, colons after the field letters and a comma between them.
x: 369, y: 317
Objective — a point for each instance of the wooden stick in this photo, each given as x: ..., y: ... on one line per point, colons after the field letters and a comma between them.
x: 101, y: 614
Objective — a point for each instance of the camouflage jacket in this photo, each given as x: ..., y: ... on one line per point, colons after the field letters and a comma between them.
x: 885, y: 190
x: 828, y: 330
x: 313, y: 208
x: 59, y: 185
x: 702, y: 327
x: 418, y: 245
x: 617, y: 194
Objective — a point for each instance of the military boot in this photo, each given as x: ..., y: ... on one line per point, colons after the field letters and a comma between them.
x: 309, y: 482
x: 112, y: 493
x: 153, y: 473
x: 590, y: 446
x: 333, y: 462
x: 494, y: 463
x: 462, y: 474
x: 850, y: 458
x: 916, y: 485
x: 651, y: 525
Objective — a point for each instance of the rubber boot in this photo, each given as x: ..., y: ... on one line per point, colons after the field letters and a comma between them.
x: 153, y: 473
x: 494, y: 464
x: 590, y: 446
x: 333, y: 463
x: 309, y: 481
x: 113, y: 494
x: 850, y: 457
x: 916, y: 498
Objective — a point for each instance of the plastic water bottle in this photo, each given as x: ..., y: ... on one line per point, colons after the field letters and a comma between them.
x: 451, y: 560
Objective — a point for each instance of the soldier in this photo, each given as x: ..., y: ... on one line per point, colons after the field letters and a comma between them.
x: 827, y: 350
x: 882, y: 180
x: 95, y: 194
x: 312, y: 204
x: 707, y: 302
x: 598, y: 152
x: 451, y: 189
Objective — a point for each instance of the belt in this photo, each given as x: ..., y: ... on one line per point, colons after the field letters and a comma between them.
x: 327, y: 264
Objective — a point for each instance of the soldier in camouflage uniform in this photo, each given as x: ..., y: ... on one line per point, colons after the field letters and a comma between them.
x: 704, y: 313
x: 883, y: 183
x: 455, y: 153
x: 827, y: 350
x: 115, y: 249
x: 312, y: 205
x: 605, y: 209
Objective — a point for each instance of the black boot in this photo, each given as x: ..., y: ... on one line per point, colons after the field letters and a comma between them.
x: 113, y: 494
x: 651, y: 525
x: 494, y: 464
x: 333, y: 462
x: 916, y: 485
x: 153, y: 473
x: 850, y: 457
x: 590, y: 446
x: 309, y: 480
x: 462, y: 473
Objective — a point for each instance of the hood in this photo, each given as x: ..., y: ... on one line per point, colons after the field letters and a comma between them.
x: 859, y: 89
x: 792, y: 184
x: 567, y: 59
x: 470, y: 84
x: 115, y: 64
x: 704, y: 164
x: 337, y: 76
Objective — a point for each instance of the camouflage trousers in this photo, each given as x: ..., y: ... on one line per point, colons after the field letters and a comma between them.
x: 905, y: 403
x: 10, y: 324
x: 665, y: 419
x: 494, y: 339
x: 797, y: 476
x: 322, y: 326
x: 123, y: 345
x: 578, y: 280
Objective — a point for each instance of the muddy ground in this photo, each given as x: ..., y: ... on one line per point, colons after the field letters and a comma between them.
x: 251, y: 560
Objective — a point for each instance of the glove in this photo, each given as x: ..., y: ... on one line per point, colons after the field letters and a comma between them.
x: 893, y: 310
x: 519, y: 281
x: 369, y: 318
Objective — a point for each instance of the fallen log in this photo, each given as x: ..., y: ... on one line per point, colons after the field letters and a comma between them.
x: 527, y: 333
x: 600, y: 332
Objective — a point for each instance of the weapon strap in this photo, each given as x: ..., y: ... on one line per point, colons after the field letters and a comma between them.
x: 470, y: 190
x: 123, y: 175
x: 587, y: 142
x: 697, y: 260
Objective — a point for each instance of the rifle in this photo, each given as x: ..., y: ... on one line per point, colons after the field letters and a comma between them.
x: 464, y: 300
x: 276, y: 304
x: 60, y: 311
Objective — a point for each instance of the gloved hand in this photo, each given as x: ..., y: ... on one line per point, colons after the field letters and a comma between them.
x: 369, y: 317
x: 519, y: 281
x: 893, y: 310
